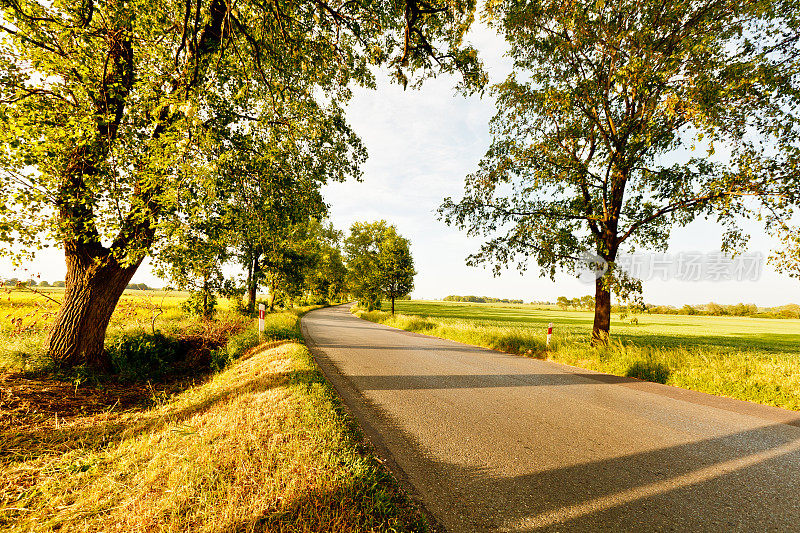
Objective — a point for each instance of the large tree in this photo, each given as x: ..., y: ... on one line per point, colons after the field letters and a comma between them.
x: 273, y: 175
x: 589, y: 146
x: 397, y: 266
x: 379, y: 263
x: 105, y: 104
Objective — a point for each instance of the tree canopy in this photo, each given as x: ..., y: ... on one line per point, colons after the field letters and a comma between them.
x: 590, y: 142
x: 379, y: 263
x: 109, y: 108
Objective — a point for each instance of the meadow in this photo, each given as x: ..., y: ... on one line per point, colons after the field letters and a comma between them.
x: 25, y: 317
x: 254, y: 441
x: 752, y: 359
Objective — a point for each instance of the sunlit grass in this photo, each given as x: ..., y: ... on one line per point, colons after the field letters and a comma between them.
x: 262, y: 446
x: 25, y: 319
x: 745, y: 358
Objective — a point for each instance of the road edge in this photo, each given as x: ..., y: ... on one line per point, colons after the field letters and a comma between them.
x: 359, y: 409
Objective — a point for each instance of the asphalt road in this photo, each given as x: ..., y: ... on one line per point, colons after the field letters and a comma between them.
x: 493, y: 442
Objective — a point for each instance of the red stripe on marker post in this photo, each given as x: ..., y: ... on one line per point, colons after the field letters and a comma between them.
x: 549, y: 333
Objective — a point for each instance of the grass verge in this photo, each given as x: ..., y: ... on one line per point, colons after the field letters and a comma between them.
x: 761, y: 376
x: 262, y: 445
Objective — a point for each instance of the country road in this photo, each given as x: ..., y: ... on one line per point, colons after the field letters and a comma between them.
x: 493, y: 442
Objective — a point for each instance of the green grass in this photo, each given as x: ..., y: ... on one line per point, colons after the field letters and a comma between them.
x: 750, y: 359
x: 25, y: 318
x: 263, y: 445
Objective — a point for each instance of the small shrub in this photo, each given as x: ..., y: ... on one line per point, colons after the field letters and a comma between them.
x: 200, y: 304
x: 417, y: 323
x: 138, y: 356
x: 236, y: 347
x: 282, y: 326
x: 648, y: 371
x: 515, y: 341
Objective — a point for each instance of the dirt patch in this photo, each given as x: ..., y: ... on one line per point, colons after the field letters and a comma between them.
x: 25, y: 401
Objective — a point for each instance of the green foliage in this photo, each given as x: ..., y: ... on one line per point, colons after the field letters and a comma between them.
x: 282, y: 326
x: 200, y: 303
x: 117, y: 119
x: 236, y: 346
x: 589, y: 143
x: 379, y: 263
x: 397, y: 266
x: 648, y: 370
x: 327, y: 280
x: 140, y: 356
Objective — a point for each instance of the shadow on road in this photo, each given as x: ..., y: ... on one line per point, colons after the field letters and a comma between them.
x: 479, y: 381
x: 745, y: 480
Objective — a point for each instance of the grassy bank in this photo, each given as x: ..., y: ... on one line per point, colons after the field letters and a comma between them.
x: 262, y: 445
x: 745, y: 358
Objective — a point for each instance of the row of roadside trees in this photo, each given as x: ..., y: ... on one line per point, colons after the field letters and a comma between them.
x: 137, y: 128
x: 313, y: 263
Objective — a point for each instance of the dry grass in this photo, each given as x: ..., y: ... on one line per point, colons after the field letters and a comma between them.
x: 262, y: 446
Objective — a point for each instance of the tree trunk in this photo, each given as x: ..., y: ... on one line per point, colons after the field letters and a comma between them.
x: 271, y: 296
x: 94, y: 285
x: 249, y: 295
x: 602, y: 313
x: 252, y: 287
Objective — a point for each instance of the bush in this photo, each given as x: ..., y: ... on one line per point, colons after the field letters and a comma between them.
x: 649, y: 371
x: 200, y: 304
x: 515, y: 340
x: 282, y: 326
x: 139, y: 356
x: 370, y: 302
x: 236, y: 347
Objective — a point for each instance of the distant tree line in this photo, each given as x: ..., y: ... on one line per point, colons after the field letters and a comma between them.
x: 16, y: 282
x: 481, y: 300
x: 715, y: 309
x: 584, y: 302
x: 710, y: 309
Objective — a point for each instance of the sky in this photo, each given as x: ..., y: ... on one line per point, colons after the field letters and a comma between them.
x: 422, y: 143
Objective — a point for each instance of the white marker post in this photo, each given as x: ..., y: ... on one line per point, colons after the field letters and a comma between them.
x: 261, y: 313
x: 549, y: 333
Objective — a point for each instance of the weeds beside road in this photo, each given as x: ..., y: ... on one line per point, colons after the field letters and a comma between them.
x: 261, y: 445
x: 749, y: 359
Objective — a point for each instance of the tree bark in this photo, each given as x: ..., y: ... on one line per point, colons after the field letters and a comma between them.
x: 252, y: 286
x: 94, y: 285
x: 271, y: 296
x: 249, y: 295
x: 602, y: 313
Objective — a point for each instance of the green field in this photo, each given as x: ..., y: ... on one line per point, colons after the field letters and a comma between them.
x: 736, y: 333
x: 751, y: 359
x: 25, y: 319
